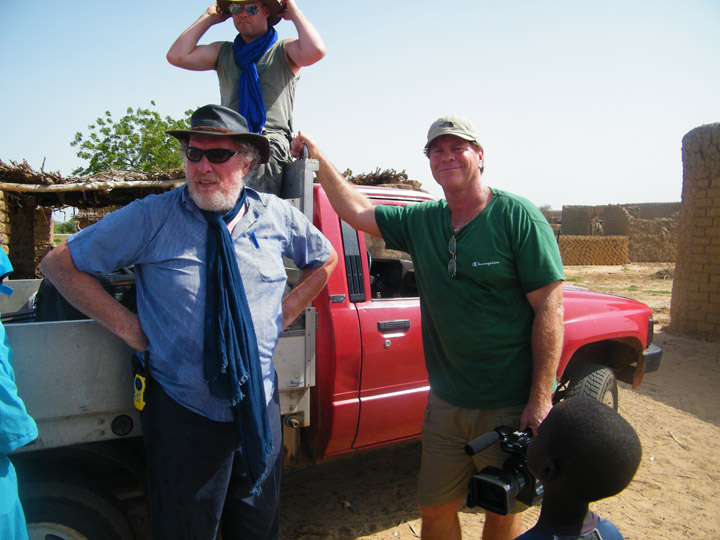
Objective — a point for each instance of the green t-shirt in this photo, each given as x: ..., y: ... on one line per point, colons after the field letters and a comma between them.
x: 476, y: 327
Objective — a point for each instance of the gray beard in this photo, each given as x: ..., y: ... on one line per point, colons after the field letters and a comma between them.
x: 217, y: 202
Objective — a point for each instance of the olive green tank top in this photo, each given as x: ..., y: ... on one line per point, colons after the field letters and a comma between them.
x: 276, y: 80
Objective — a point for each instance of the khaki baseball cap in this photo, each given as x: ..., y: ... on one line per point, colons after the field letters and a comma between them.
x: 452, y: 125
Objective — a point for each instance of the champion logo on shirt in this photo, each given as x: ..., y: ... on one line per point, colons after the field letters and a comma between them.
x: 491, y: 263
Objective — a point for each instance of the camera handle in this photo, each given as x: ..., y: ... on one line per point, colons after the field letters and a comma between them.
x: 482, y: 442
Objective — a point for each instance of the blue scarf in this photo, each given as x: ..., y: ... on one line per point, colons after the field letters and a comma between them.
x: 231, y: 359
x: 250, y: 97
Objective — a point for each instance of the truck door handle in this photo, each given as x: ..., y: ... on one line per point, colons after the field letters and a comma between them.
x: 399, y: 324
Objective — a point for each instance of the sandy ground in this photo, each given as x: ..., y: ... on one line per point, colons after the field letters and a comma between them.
x: 676, y: 412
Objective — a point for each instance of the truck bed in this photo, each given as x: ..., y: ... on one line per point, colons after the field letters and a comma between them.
x: 91, y: 395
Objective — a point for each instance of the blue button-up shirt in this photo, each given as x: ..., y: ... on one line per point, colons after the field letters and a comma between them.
x: 164, y: 237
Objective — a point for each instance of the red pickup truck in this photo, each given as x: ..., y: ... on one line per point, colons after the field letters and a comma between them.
x: 371, y: 380
x: 351, y: 376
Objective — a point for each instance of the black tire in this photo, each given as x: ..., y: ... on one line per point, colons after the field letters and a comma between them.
x: 595, y: 381
x: 59, y: 510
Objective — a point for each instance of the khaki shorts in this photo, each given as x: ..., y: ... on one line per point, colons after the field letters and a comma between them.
x: 446, y: 469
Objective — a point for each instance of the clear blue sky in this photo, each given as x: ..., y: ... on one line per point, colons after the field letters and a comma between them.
x: 578, y: 102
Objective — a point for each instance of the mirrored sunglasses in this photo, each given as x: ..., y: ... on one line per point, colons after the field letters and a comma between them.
x: 452, y: 265
x: 213, y: 155
x: 236, y: 8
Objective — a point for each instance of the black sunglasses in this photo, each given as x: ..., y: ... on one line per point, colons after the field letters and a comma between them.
x: 213, y: 155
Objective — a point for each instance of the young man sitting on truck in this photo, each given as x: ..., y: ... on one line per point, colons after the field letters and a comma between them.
x: 208, y: 261
x: 257, y: 72
x: 489, y: 275
x: 584, y: 451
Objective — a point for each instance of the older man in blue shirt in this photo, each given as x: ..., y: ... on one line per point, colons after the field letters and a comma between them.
x: 208, y: 261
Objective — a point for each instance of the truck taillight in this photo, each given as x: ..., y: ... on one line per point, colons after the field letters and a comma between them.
x: 651, y: 330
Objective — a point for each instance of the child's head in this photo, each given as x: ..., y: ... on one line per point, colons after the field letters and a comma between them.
x: 586, y: 449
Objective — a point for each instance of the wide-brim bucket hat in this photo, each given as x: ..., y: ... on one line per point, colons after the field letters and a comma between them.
x: 273, y: 5
x: 219, y: 121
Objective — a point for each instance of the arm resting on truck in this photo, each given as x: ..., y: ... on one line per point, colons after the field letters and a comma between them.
x: 84, y: 292
x: 311, y: 282
x: 351, y: 205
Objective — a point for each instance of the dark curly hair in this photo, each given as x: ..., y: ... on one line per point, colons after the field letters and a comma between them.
x: 595, y: 451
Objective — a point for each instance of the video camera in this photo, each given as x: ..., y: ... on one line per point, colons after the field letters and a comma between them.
x: 497, y: 489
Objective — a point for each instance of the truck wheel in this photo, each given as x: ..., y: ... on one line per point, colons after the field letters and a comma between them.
x: 56, y: 510
x: 595, y: 381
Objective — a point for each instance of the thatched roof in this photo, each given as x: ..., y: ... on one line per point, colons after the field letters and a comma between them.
x: 110, y: 188
x: 29, y: 187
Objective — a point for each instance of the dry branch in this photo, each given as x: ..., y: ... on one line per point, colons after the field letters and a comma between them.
x: 89, y: 186
x: 386, y: 178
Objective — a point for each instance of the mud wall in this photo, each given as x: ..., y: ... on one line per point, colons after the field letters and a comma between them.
x: 25, y: 234
x: 85, y: 218
x: 593, y: 250
x: 651, y: 228
x: 42, y: 237
x: 653, y: 240
x: 695, y: 306
x: 4, y: 224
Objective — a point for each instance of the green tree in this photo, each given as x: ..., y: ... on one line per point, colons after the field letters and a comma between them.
x: 68, y: 227
x: 136, y: 142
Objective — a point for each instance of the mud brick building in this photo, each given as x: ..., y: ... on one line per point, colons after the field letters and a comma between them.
x: 25, y: 233
x: 27, y: 198
x: 695, y: 307
x: 649, y: 231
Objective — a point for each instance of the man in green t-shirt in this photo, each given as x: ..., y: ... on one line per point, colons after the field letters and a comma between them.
x: 257, y: 72
x: 489, y: 275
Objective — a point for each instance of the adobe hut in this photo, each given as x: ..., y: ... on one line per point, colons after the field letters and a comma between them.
x: 28, y: 197
x: 649, y: 229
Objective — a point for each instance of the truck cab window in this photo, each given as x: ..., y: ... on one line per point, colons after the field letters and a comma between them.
x: 391, y: 271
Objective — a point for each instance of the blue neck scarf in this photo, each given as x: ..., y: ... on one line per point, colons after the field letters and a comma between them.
x: 250, y: 95
x: 231, y: 359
